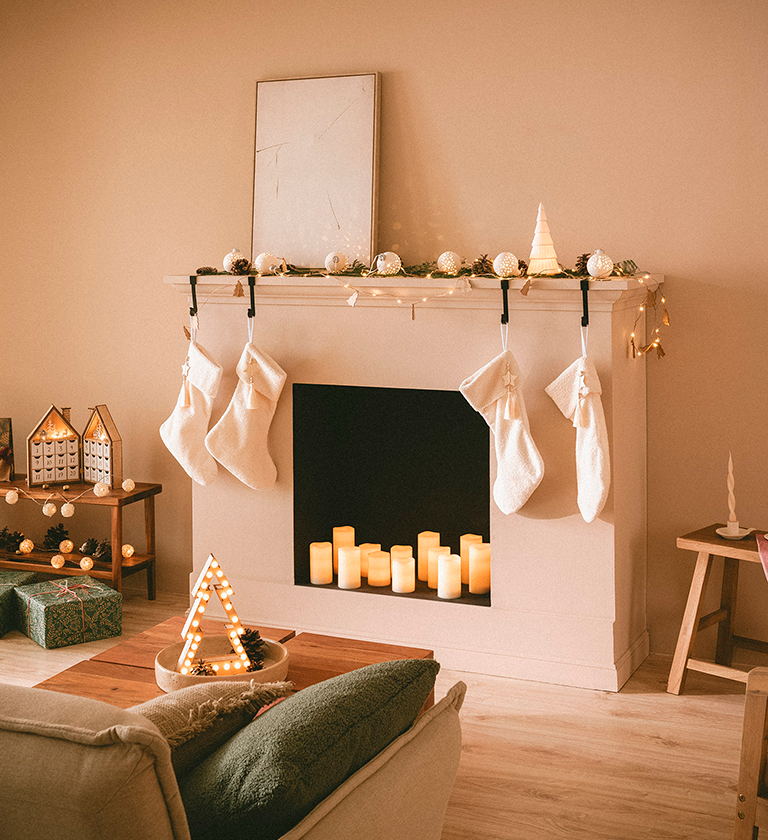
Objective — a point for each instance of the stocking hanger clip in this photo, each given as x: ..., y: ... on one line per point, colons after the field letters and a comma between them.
x: 251, y: 287
x: 584, y: 303
x: 505, y: 295
x: 193, y: 289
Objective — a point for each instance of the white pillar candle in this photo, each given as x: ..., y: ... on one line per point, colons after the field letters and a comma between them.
x: 432, y: 554
x: 379, y: 573
x: 480, y: 568
x: 320, y: 563
x: 343, y: 535
x: 365, y: 550
x: 349, y: 567
x: 426, y: 540
x: 449, y: 576
x: 465, y: 540
x: 404, y: 551
x: 403, y: 574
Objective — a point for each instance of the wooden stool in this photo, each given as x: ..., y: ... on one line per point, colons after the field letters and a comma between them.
x: 709, y: 545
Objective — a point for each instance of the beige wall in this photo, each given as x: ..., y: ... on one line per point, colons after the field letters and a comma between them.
x: 126, y: 132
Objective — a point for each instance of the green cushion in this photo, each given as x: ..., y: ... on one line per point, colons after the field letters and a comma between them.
x: 271, y: 774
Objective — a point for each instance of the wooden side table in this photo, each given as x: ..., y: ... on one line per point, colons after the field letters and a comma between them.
x: 112, y: 572
x: 709, y: 545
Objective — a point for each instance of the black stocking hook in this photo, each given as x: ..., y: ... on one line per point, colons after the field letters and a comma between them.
x: 193, y: 288
x: 584, y: 302
x: 505, y: 293
x: 251, y: 286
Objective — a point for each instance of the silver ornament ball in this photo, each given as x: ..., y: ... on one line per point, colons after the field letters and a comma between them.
x: 506, y: 264
x: 266, y: 263
x: 388, y: 263
x: 233, y: 255
x: 336, y: 262
x: 599, y: 265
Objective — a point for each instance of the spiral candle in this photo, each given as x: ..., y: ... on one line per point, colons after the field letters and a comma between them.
x: 731, y: 497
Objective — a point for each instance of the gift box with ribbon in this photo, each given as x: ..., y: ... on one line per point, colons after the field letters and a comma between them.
x: 8, y: 581
x: 69, y: 611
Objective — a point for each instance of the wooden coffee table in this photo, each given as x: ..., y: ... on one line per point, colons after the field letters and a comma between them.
x: 124, y: 675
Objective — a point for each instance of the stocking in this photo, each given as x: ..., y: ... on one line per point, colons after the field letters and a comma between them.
x: 577, y: 394
x: 239, y: 440
x: 184, y: 431
x: 494, y: 391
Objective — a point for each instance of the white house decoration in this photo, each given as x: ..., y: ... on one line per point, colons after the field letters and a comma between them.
x: 53, y: 450
x: 102, y: 449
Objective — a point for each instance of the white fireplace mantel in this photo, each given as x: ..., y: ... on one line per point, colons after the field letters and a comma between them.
x: 567, y: 597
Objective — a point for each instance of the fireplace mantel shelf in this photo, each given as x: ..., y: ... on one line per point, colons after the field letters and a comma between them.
x: 545, y: 293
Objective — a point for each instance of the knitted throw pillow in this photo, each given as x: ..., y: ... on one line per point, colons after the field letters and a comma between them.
x: 197, y: 720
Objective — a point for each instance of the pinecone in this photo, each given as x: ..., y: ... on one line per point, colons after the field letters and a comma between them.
x: 522, y: 268
x: 89, y: 546
x: 53, y: 536
x: 482, y: 265
x: 253, y: 645
x: 202, y: 669
x: 10, y: 540
x: 241, y: 266
x: 103, y: 551
x: 206, y: 269
x: 581, y: 265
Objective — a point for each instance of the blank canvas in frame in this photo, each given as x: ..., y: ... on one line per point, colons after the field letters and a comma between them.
x: 315, y: 168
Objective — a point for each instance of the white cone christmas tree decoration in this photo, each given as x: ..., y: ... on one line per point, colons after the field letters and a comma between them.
x: 543, y: 259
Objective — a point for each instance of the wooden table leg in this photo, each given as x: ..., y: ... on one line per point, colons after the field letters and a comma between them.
x: 149, y: 533
x: 690, y: 623
x: 753, y: 755
x: 117, y: 546
x: 724, y: 652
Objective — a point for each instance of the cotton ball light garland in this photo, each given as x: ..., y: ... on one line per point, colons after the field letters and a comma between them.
x: 599, y: 265
x: 49, y: 509
x: 128, y: 485
x: 388, y: 263
x: 449, y: 262
x: 231, y: 257
x: 12, y: 496
x: 100, y: 489
x: 336, y: 262
x: 66, y: 546
x: 506, y: 264
x: 86, y: 564
x: 57, y: 561
x: 266, y: 263
x: 67, y: 509
x: 127, y: 551
x: 26, y: 546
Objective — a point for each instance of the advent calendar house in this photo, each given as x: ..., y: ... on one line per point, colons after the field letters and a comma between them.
x: 53, y: 450
x: 102, y: 449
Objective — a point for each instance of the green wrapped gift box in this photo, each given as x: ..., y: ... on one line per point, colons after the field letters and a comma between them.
x: 9, y: 580
x: 69, y: 611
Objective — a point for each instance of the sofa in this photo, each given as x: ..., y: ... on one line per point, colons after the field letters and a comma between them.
x: 77, y: 768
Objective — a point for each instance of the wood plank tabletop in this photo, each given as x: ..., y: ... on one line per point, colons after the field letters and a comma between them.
x: 706, y: 539
x: 120, y: 685
x: 140, y: 651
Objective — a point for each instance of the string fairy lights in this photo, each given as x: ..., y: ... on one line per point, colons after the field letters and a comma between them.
x: 656, y: 301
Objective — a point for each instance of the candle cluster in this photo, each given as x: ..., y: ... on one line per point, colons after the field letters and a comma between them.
x: 398, y: 568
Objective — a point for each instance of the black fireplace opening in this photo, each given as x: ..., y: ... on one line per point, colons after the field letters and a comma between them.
x: 391, y: 462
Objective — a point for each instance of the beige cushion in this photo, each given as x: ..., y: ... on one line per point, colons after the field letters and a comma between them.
x: 197, y: 720
x: 77, y: 769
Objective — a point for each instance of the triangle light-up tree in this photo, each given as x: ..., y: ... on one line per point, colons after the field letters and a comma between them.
x: 543, y: 259
x: 213, y: 580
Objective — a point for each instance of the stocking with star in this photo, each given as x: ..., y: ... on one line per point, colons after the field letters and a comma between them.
x: 184, y: 431
x: 239, y: 440
x: 495, y: 392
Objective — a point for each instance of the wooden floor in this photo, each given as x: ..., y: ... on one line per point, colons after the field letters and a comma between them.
x: 543, y: 761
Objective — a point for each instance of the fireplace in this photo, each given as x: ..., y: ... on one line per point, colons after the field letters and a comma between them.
x: 390, y: 462
x: 567, y: 598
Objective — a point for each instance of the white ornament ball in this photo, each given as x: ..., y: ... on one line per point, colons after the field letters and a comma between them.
x: 233, y: 255
x: 49, y: 509
x: 449, y: 262
x: 26, y: 546
x: 506, y: 264
x: 127, y: 551
x: 101, y: 488
x: 129, y: 485
x: 266, y: 264
x: 12, y: 496
x: 336, y: 262
x: 67, y: 509
x: 66, y: 546
x: 86, y: 563
x: 388, y: 263
x: 57, y: 561
x: 600, y: 265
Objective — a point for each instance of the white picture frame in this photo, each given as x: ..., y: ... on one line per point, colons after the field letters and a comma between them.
x: 316, y: 168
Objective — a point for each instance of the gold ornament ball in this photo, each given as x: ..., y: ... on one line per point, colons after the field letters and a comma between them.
x: 49, y: 509
x: 57, y: 561
x: 127, y: 551
x: 67, y: 509
x: 128, y: 485
x: 101, y: 488
x: 26, y: 546
x: 66, y: 546
x: 86, y: 564
x: 12, y: 496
